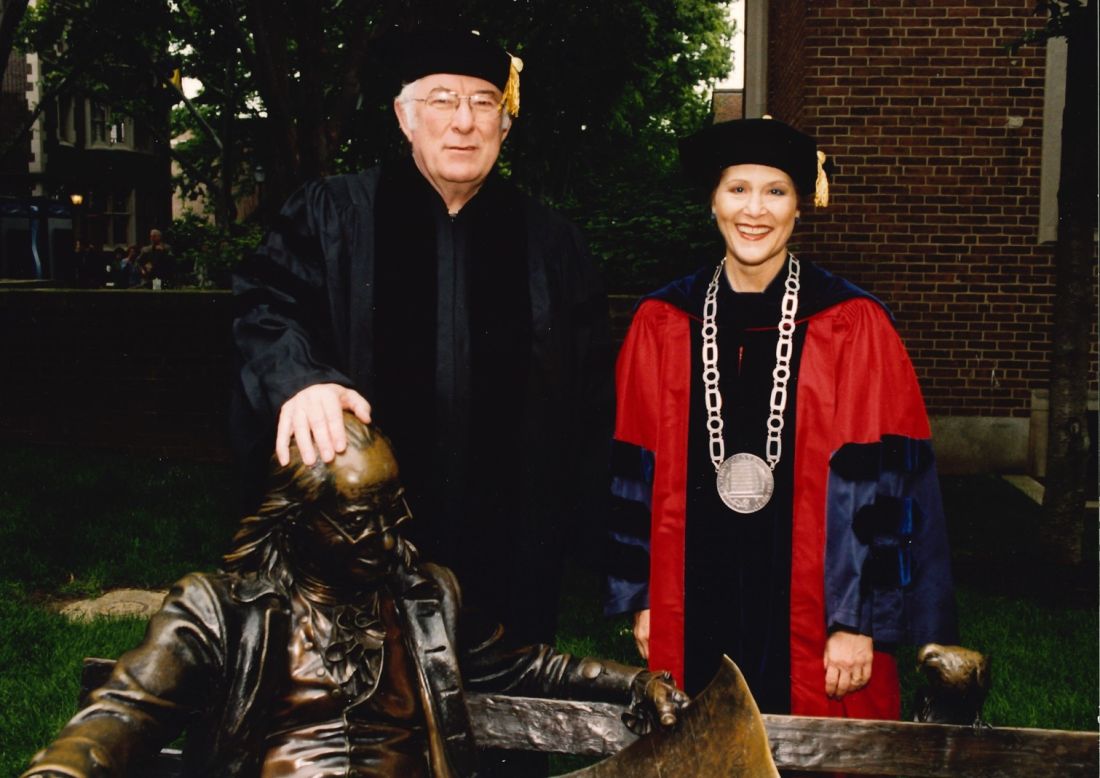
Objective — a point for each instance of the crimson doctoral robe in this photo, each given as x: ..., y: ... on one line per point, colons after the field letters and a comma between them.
x: 854, y: 536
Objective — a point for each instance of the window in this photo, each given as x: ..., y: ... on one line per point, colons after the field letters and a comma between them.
x: 66, y: 120
x: 107, y: 128
x: 110, y: 218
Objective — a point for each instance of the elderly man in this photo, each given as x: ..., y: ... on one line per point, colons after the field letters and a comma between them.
x: 325, y: 648
x: 434, y: 297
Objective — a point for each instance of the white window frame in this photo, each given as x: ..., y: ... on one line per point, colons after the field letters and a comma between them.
x: 66, y: 120
x: 108, y: 215
x: 112, y: 121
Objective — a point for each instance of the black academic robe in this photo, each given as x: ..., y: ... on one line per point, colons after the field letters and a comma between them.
x: 481, y: 341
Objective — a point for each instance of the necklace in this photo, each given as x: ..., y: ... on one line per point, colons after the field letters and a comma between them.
x: 745, y: 482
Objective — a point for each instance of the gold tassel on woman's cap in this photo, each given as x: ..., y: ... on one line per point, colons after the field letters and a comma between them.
x: 510, y: 101
x: 821, y: 188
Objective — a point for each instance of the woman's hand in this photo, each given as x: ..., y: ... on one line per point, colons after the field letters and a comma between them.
x: 641, y: 632
x: 847, y: 663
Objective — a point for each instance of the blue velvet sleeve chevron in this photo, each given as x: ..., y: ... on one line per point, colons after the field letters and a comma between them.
x: 887, y: 560
x: 627, y: 551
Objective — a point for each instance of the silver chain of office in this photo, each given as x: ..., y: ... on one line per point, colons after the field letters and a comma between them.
x: 780, y: 375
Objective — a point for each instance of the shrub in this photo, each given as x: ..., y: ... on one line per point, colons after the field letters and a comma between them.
x: 208, y: 253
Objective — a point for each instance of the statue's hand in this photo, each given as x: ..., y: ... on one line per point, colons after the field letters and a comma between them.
x: 655, y: 703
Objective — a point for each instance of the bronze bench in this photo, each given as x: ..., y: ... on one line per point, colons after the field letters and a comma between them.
x: 796, y: 742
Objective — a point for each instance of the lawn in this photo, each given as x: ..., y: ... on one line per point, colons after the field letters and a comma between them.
x: 76, y: 523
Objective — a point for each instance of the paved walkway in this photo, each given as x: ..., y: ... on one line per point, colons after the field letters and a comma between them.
x: 1034, y: 490
x: 119, y: 602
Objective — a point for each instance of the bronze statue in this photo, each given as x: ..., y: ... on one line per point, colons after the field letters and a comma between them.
x: 958, y: 683
x: 325, y: 647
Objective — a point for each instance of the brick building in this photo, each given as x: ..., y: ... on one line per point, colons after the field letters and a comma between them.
x: 944, y: 194
x: 118, y: 168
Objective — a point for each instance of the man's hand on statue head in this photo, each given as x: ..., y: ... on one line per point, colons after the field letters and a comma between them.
x: 656, y: 703
x: 315, y: 419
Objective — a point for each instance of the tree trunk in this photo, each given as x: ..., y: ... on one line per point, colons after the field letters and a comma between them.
x: 267, y: 24
x: 1075, y: 268
x: 225, y: 214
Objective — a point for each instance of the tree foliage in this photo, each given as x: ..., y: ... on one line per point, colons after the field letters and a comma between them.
x: 305, y: 89
x: 207, y: 253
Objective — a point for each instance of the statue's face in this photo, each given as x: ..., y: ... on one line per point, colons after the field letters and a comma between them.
x: 351, y: 536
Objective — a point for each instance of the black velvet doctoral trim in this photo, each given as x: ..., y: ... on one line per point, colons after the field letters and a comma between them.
x: 500, y: 318
x: 453, y: 349
x: 737, y: 569
x: 408, y: 214
x: 819, y: 290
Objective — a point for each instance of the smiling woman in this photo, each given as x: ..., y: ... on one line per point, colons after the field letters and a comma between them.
x: 755, y: 207
x: 779, y: 498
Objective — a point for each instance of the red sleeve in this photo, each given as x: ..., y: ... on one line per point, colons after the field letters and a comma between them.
x: 855, y: 385
x: 653, y: 381
x: 637, y: 379
x: 876, y: 386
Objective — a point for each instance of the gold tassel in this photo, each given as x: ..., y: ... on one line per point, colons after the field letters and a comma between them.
x: 821, y: 188
x: 510, y: 100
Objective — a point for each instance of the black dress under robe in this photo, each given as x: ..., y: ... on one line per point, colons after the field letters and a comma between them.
x: 737, y: 577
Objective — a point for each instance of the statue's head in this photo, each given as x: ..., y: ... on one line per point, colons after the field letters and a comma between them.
x: 338, y: 522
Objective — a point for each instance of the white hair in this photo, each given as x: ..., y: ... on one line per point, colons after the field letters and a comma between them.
x: 405, y: 98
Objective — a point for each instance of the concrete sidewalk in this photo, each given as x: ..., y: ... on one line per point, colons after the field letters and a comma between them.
x: 119, y: 602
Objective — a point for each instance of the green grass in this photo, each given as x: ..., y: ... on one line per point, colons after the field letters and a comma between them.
x: 74, y: 523
x: 1043, y: 660
x: 40, y: 657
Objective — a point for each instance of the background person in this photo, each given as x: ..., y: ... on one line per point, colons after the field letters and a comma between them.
x: 773, y: 452
x: 158, y: 257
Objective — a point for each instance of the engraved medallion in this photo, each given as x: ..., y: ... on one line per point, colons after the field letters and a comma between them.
x: 745, y: 483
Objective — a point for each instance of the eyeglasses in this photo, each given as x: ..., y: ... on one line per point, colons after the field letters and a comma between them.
x: 445, y: 103
x: 356, y: 527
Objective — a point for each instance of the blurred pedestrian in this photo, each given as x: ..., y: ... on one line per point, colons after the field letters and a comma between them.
x: 163, y: 264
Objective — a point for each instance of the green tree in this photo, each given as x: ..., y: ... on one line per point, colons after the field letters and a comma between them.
x: 106, y: 63
x: 306, y: 89
x: 606, y: 84
x: 1074, y: 290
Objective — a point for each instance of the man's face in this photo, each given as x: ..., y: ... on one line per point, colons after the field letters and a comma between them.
x: 453, y: 149
x: 154, y: 237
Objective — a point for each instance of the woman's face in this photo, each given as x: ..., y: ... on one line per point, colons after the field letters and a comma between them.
x: 755, y: 207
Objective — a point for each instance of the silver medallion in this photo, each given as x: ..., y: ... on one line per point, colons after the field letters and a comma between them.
x: 745, y: 483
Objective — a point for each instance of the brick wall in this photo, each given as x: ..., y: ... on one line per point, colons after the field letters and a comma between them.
x: 786, y: 63
x: 936, y: 194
